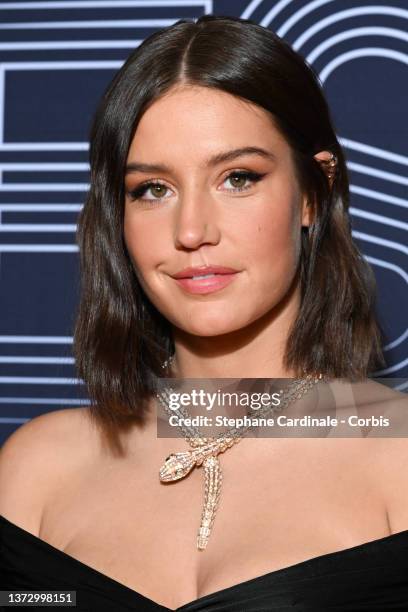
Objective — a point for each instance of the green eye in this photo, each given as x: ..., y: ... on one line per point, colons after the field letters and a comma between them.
x: 238, y: 180
x: 149, y: 192
x: 157, y: 190
x: 241, y: 180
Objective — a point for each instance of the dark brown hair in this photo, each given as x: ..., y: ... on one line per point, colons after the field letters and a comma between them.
x: 120, y: 338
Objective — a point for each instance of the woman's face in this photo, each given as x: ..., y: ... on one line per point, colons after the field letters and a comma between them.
x: 243, y: 210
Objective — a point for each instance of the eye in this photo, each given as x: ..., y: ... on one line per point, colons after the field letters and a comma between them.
x: 239, y: 179
x: 153, y: 188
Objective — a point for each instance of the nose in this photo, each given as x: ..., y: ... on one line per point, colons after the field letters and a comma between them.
x: 196, y: 221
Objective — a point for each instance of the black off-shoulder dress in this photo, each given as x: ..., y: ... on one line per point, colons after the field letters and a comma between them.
x: 369, y: 577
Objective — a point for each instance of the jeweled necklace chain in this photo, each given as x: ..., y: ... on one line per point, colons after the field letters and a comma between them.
x: 206, y: 449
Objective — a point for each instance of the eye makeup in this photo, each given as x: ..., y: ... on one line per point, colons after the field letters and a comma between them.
x: 141, y: 190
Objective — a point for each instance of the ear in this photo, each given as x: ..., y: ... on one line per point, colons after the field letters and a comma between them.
x: 323, y: 156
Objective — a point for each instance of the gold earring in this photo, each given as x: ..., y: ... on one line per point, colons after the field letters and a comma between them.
x: 332, y: 167
x: 329, y: 166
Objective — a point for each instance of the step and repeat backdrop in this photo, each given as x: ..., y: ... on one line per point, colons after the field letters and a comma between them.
x: 56, y: 58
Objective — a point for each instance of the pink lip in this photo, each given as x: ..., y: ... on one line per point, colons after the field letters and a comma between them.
x: 196, y: 270
x: 206, y: 285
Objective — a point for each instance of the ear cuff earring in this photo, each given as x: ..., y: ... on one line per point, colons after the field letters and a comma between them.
x: 330, y: 166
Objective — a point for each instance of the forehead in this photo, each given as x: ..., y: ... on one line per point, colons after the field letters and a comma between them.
x: 197, y: 120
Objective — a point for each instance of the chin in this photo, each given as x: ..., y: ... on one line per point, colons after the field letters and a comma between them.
x: 209, y: 326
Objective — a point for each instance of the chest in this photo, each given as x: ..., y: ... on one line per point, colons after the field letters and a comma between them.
x: 281, y: 502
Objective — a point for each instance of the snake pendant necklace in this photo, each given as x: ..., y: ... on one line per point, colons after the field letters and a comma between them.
x: 205, y: 451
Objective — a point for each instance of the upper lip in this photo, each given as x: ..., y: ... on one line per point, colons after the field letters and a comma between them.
x: 197, y: 271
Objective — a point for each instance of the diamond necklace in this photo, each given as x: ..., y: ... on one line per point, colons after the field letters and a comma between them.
x: 206, y: 450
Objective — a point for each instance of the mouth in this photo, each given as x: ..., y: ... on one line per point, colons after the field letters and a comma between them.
x: 206, y: 283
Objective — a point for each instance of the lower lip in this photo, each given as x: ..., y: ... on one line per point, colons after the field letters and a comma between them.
x: 206, y: 285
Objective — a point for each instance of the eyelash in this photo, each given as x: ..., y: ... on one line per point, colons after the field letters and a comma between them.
x: 136, y: 194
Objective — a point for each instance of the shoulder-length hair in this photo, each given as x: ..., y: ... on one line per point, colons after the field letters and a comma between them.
x: 120, y: 338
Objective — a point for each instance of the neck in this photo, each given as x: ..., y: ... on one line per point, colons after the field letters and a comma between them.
x: 255, y: 351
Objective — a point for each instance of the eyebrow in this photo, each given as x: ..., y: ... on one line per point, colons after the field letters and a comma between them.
x: 214, y: 160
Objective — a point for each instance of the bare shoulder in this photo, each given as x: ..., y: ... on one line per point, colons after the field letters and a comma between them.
x: 378, y: 393
x: 388, y: 444
x: 34, y: 457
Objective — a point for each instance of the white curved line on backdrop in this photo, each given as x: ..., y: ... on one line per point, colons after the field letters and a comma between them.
x: 391, y: 244
x: 370, y: 171
x: 396, y: 342
x: 363, y: 52
x: 401, y: 387
x: 364, y: 214
x: 378, y: 195
x: 354, y: 33
x: 252, y: 6
x: 270, y: 15
x: 393, y: 368
x: 336, y: 17
x: 374, y: 151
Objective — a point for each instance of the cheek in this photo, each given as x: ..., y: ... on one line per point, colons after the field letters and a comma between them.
x: 272, y: 244
x: 273, y: 248
x: 143, y: 241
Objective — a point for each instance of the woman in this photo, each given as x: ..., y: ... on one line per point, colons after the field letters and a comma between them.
x: 213, y: 146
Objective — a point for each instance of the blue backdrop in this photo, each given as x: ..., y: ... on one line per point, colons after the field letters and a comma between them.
x: 56, y: 59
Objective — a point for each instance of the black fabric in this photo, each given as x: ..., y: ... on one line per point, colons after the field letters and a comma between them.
x: 370, y: 576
